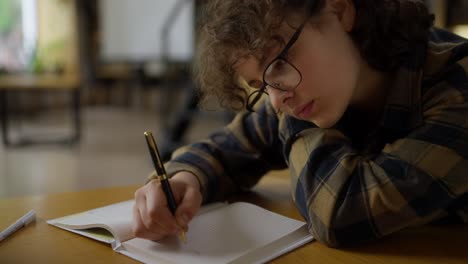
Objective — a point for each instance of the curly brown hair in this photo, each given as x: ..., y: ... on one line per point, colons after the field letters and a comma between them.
x: 385, y: 31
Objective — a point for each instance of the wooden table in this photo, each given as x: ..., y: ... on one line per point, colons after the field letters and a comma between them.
x: 39, y: 83
x: 42, y: 243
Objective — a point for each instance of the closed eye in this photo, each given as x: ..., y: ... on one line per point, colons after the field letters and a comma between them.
x: 257, y: 84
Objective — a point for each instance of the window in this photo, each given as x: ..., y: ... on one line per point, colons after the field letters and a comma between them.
x: 18, y: 34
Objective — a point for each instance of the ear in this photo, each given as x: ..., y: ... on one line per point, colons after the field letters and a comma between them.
x: 346, y: 12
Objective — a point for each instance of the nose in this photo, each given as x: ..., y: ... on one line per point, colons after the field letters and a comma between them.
x: 279, y: 98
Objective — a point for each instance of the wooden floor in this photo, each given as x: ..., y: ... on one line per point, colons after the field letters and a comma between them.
x: 112, y: 151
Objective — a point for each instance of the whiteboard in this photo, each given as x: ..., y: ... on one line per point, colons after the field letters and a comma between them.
x: 131, y: 30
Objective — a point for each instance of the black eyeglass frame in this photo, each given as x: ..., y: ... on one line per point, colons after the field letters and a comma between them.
x: 253, y: 97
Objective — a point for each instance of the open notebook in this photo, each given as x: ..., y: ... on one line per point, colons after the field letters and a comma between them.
x: 221, y: 233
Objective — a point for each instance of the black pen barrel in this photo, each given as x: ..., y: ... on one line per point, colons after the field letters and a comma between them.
x: 169, y: 196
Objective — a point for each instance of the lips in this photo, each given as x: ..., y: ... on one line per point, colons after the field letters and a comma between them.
x: 304, y: 111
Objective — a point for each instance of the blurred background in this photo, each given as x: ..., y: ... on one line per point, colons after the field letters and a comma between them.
x: 81, y: 80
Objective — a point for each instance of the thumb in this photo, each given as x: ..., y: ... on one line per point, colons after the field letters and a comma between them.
x: 188, y: 207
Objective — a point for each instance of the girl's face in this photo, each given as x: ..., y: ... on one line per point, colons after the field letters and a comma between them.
x: 328, y: 61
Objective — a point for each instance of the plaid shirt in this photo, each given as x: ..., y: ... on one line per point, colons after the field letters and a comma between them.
x: 351, y: 183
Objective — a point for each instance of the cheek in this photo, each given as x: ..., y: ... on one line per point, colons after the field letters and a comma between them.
x: 275, y: 99
x: 335, y: 71
x: 332, y: 60
x: 331, y: 78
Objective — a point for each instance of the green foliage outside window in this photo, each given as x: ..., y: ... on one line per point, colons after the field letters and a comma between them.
x: 9, y: 15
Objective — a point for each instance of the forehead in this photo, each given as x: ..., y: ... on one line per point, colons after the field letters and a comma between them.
x: 249, y: 64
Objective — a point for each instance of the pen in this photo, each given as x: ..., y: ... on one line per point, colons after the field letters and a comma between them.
x: 158, y: 165
x: 23, y: 221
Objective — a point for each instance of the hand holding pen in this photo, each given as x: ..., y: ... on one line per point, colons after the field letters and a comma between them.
x: 165, y: 206
x: 161, y: 172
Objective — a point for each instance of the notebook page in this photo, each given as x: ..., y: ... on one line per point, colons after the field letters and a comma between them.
x: 116, y: 218
x: 218, y: 236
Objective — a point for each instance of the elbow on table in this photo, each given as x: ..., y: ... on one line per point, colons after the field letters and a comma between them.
x: 337, y: 237
x: 327, y: 238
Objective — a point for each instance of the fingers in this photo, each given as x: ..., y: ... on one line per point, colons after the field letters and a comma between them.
x: 140, y: 230
x: 156, y: 212
x: 151, y: 217
x: 188, y: 207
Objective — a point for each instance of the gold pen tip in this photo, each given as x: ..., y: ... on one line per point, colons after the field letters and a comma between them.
x: 183, y: 237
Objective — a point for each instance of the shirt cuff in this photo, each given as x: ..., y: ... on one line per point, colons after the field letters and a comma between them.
x: 173, y: 167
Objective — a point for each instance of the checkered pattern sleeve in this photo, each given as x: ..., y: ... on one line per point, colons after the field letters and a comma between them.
x: 234, y: 158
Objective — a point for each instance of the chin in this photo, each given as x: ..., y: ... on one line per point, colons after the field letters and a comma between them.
x: 324, y: 123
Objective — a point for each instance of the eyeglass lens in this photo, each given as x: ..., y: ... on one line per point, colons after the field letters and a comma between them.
x: 282, y: 75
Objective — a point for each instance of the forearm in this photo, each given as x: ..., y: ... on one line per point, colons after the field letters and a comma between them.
x: 234, y: 158
x: 347, y: 198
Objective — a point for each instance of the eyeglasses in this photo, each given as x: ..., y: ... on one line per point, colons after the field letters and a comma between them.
x: 279, y: 74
